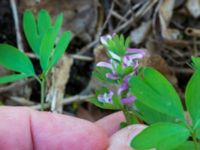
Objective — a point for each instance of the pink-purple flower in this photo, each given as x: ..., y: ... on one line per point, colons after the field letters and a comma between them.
x: 105, y: 97
x: 128, y: 100
x: 119, y: 62
x: 112, y: 75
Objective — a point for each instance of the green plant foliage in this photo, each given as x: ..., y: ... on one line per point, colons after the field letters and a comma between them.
x: 115, y: 105
x: 60, y: 47
x: 196, y: 62
x: 150, y: 115
x: 44, y: 22
x: 118, y: 44
x: 188, y: 145
x: 46, y: 48
x: 100, y: 74
x: 192, y: 97
x: 11, y: 78
x: 31, y: 31
x: 42, y: 36
x: 162, y: 136
x: 13, y: 59
x: 157, y: 94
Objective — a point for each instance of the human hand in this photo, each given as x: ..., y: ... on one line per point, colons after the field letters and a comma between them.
x: 22, y: 128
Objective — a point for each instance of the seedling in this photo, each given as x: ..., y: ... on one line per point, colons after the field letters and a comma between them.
x: 147, y: 95
x: 42, y: 37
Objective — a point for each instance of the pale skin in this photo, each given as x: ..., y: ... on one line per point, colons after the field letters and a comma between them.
x: 25, y: 129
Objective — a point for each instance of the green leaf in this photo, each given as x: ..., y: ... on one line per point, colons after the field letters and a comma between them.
x: 150, y: 115
x: 153, y: 90
x: 44, y: 22
x: 11, y: 78
x: 192, y: 97
x: 95, y: 101
x: 188, y: 145
x: 100, y: 74
x: 127, y: 42
x: 61, y: 47
x: 117, y: 101
x: 162, y: 136
x: 31, y: 31
x: 58, y: 23
x: 46, y: 48
x: 196, y: 62
x: 12, y: 58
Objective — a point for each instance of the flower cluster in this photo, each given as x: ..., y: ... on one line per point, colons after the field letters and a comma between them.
x: 123, y: 63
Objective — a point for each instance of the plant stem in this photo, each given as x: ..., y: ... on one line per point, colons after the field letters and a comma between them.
x: 195, y: 140
x: 42, y: 86
x: 126, y: 115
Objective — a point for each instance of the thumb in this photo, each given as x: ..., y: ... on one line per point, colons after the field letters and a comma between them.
x: 121, y: 139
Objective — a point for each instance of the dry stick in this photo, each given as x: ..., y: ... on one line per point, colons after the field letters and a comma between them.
x: 15, y: 85
x: 21, y: 101
x: 145, y: 8
x: 95, y: 42
x: 80, y: 57
x: 118, y: 16
x: 76, y: 98
x: 74, y: 56
x: 182, y: 70
x: 16, y: 20
x: 129, y: 12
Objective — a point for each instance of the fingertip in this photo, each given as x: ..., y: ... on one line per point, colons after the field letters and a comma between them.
x: 53, y: 131
x: 111, y: 123
x: 121, y: 139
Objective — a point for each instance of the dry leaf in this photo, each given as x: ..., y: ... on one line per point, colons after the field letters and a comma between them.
x: 59, y: 78
x: 139, y: 34
x: 194, y: 7
x: 165, y: 15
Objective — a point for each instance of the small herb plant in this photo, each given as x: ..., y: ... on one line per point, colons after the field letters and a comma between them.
x: 42, y: 37
x: 146, y: 95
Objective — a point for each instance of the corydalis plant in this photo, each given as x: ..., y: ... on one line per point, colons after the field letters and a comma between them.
x: 159, y: 105
x: 122, y: 64
x: 42, y: 37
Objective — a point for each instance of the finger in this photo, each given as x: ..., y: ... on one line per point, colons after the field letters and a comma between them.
x: 121, y: 139
x: 111, y: 123
x: 22, y: 128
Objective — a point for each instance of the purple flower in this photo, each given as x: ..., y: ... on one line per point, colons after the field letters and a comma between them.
x: 124, y: 85
x: 105, y: 65
x: 130, y: 62
x: 105, y: 38
x: 105, y: 97
x: 140, y: 52
x: 132, y: 56
x: 128, y: 100
x: 113, y: 75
